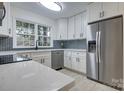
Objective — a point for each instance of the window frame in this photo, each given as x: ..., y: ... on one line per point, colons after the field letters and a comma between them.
x: 36, y: 34
x: 44, y: 35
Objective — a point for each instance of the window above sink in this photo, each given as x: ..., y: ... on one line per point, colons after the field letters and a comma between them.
x: 28, y: 32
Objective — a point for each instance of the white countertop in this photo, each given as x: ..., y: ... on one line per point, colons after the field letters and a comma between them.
x: 39, y: 50
x: 31, y: 75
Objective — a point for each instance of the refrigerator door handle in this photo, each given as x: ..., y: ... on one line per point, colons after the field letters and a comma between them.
x: 99, y: 46
x: 97, y: 36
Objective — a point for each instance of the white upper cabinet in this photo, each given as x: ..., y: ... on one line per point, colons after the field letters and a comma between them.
x: 78, y: 26
x: 84, y: 25
x: 71, y: 28
x: 121, y: 7
x: 62, y: 29
x: 94, y: 10
x: 97, y: 11
x: 4, y: 29
x: 109, y: 9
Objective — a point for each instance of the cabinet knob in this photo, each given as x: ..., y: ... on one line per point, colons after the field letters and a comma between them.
x: 73, y: 36
x: 60, y: 36
x: 102, y: 13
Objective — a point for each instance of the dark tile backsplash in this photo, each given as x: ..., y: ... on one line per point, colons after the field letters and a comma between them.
x: 6, y: 43
x: 57, y: 44
x: 72, y: 44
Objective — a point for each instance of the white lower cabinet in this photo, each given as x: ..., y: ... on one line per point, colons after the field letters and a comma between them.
x: 75, y: 64
x: 47, y: 60
x: 75, y: 60
x: 67, y: 59
x: 42, y: 57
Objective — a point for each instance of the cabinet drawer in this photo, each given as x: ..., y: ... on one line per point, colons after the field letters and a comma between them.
x: 79, y: 54
x: 35, y: 54
x: 67, y: 53
x: 24, y: 54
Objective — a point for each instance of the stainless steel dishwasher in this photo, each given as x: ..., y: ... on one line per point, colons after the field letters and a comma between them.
x: 57, y: 58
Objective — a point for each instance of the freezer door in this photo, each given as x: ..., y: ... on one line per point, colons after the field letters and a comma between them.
x: 111, y: 52
x: 91, y: 56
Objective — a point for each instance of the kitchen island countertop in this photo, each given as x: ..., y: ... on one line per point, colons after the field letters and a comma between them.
x: 31, y: 75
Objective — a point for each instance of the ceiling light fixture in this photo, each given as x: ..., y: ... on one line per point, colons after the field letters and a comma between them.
x: 55, y: 6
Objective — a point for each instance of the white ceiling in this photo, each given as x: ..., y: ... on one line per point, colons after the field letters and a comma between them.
x: 69, y: 8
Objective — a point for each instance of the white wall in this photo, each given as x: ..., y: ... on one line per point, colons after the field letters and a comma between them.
x: 18, y: 13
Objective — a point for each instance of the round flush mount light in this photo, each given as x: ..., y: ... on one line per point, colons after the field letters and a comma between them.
x: 55, y: 6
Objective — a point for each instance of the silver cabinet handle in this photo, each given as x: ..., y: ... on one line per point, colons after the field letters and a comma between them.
x: 100, y: 15
x: 9, y: 30
x: 73, y: 36
x: 78, y: 59
x: 70, y: 58
x: 41, y: 61
x: 60, y: 36
x: 97, y: 35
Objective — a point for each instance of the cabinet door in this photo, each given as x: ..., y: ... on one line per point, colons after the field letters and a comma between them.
x: 4, y: 28
x: 74, y: 63
x: 84, y: 25
x: 67, y: 59
x: 62, y: 28
x: 94, y: 10
x: 78, y: 26
x: 68, y: 62
x: 47, y: 61
x: 82, y: 64
x: 38, y: 59
x: 110, y: 9
x: 71, y: 28
x: 79, y: 61
x: 121, y: 7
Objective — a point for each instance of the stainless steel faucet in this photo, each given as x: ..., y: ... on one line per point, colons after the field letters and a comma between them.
x: 37, y: 44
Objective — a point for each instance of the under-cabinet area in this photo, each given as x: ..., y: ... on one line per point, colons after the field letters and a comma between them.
x: 59, y: 59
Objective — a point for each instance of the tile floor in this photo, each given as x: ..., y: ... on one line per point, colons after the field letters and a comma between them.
x: 84, y: 84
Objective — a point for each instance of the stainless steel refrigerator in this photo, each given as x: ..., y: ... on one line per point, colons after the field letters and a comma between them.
x: 105, y: 51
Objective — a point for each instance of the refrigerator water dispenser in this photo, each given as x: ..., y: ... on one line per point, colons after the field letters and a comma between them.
x: 92, y: 46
